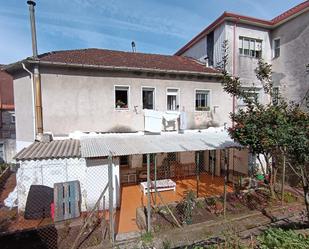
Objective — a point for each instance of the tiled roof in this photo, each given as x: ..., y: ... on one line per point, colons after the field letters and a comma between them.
x: 238, y: 17
x: 291, y: 12
x: 120, y: 59
x: 67, y: 148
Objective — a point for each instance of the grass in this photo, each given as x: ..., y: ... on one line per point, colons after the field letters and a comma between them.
x: 147, y: 237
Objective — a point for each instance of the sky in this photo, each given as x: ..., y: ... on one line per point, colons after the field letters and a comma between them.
x: 156, y: 26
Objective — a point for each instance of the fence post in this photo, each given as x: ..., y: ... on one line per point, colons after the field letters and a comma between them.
x: 197, y: 173
x: 148, y: 194
x: 155, y: 179
x: 111, y: 198
x: 224, y: 196
x: 283, y: 176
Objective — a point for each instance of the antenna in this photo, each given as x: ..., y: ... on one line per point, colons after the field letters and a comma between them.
x: 133, y: 47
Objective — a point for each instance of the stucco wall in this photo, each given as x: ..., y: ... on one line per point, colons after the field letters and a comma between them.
x: 289, y: 69
x: 86, y: 102
x: 91, y: 175
x: 198, y: 51
x: 23, y: 111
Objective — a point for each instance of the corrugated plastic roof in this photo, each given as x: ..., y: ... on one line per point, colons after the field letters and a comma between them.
x: 117, y: 145
x: 50, y: 150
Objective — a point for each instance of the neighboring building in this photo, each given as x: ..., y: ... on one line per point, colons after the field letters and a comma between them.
x: 282, y: 41
x: 7, y: 118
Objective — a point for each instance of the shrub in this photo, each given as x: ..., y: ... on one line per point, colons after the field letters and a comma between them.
x: 278, y: 238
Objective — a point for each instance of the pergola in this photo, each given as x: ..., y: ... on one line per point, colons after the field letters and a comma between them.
x: 114, y: 145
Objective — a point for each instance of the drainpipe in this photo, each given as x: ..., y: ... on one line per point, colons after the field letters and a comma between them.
x: 234, y: 74
x: 234, y: 65
x: 32, y: 92
x: 36, y: 73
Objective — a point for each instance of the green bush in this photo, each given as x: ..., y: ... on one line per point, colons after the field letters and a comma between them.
x: 278, y: 238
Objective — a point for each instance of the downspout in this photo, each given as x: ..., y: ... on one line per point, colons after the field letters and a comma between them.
x: 32, y: 92
x: 36, y: 74
x: 234, y: 65
x: 234, y: 74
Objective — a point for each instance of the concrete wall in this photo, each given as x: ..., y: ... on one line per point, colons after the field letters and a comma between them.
x: 85, y: 102
x: 24, y: 112
x: 198, y: 51
x: 219, y: 37
x: 289, y: 69
x: 92, y: 175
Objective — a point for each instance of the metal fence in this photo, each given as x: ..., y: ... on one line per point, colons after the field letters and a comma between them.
x: 58, y: 203
x: 79, y: 203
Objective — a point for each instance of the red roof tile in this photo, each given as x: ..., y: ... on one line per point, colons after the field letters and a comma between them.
x: 120, y: 59
x: 291, y: 12
x: 233, y: 16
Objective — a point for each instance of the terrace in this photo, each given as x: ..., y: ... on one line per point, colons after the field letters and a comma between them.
x: 132, y: 197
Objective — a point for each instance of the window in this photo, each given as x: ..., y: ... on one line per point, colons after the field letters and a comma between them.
x: 202, y: 100
x: 276, y: 48
x: 1, y: 153
x: 121, y: 97
x: 252, y: 93
x: 12, y: 114
x: 148, y: 98
x: 250, y: 47
x: 124, y: 160
x: 275, y: 95
x: 152, y: 158
x: 172, y: 100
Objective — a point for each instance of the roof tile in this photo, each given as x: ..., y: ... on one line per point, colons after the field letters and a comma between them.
x: 112, y: 58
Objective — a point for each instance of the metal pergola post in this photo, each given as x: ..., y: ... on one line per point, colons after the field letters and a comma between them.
x: 111, y: 198
x: 148, y: 195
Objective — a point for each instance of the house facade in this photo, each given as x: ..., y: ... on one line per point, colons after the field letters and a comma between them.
x: 7, y: 118
x: 107, y: 98
x: 282, y: 42
x: 129, y: 96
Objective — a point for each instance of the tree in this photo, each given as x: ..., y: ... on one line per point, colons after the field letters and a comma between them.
x: 266, y: 129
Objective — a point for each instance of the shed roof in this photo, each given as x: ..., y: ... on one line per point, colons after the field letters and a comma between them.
x: 50, y: 150
x: 100, y: 146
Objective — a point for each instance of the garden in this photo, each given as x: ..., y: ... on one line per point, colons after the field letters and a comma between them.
x: 192, y: 210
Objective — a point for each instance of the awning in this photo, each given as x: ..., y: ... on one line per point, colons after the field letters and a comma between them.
x: 134, y: 144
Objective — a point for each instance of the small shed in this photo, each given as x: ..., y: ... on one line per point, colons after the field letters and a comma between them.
x: 54, y: 163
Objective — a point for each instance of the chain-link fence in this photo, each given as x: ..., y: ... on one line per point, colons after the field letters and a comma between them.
x: 58, y: 203
x: 79, y: 203
x: 186, y: 188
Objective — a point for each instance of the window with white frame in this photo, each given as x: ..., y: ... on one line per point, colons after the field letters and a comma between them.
x: 202, y: 100
x: 172, y: 99
x: 148, y: 98
x: 121, y: 97
x: 12, y: 114
x: 252, y: 93
x: 276, y: 48
x: 250, y: 47
x: 275, y: 95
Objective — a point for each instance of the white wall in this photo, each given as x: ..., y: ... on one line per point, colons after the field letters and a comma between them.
x: 198, y: 50
x: 93, y: 177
